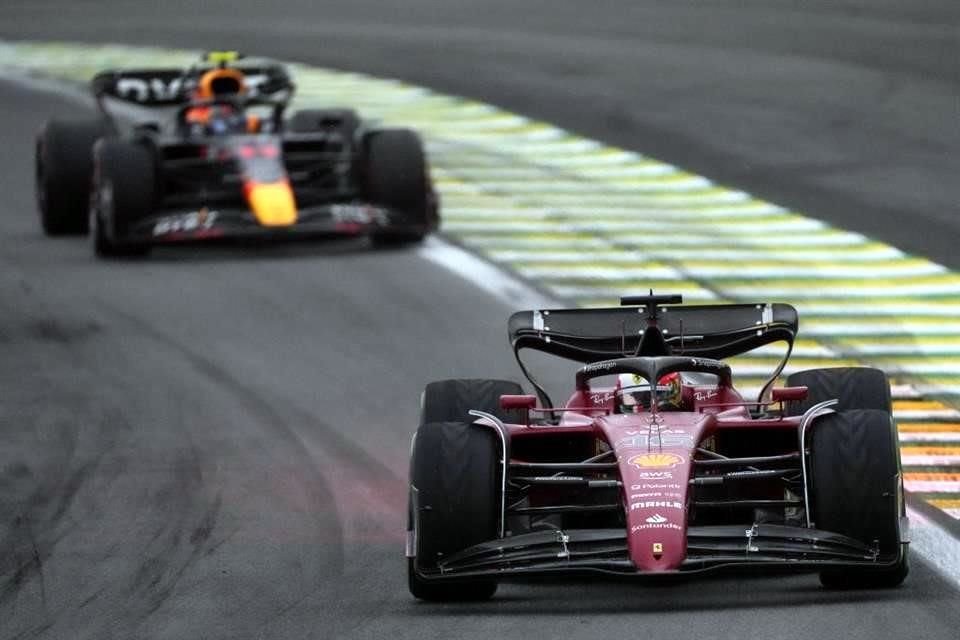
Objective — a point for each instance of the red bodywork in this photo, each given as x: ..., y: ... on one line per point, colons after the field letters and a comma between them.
x: 673, y: 481
x: 654, y: 454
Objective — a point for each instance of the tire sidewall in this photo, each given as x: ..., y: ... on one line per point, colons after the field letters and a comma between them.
x: 124, y: 191
x: 63, y: 168
x: 393, y: 173
x: 855, y: 477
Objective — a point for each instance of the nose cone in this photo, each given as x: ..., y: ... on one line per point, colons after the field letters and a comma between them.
x: 655, y: 456
x: 272, y: 203
x: 656, y: 488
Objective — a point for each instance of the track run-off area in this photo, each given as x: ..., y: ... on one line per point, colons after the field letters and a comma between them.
x: 588, y: 222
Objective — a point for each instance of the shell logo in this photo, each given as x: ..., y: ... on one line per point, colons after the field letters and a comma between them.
x: 655, y: 460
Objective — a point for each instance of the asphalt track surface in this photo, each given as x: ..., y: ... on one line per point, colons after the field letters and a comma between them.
x: 213, y: 444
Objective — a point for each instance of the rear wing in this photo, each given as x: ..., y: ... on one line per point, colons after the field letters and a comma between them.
x: 706, y: 331
x: 172, y: 87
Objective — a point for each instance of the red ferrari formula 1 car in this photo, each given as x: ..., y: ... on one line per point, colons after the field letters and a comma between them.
x: 656, y: 465
x: 210, y: 154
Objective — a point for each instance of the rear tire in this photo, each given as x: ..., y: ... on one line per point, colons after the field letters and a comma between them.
x: 345, y: 121
x: 854, y: 387
x: 394, y: 175
x: 63, y: 174
x: 856, y: 490
x: 451, y: 400
x: 125, y: 183
x: 454, y: 489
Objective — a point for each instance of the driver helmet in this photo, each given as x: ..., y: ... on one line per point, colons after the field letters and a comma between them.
x: 220, y: 82
x: 218, y: 119
x: 636, y: 392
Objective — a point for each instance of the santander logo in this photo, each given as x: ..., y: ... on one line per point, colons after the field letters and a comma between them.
x: 656, y: 519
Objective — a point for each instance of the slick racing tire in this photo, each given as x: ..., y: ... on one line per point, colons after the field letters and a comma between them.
x: 394, y: 174
x: 125, y: 191
x: 854, y: 387
x: 63, y: 173
x: 344, y: 121
x: 856, y: 490
x: 450, y: 400
x: 454, y: 504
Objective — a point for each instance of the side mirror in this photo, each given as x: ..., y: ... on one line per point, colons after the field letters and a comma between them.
x: 788, y: 393
x: 518, y: 402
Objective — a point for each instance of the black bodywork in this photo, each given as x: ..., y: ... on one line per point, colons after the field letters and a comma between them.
x: 202, y: 178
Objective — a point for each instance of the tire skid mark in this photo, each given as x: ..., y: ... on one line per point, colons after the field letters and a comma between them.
x: 40, y: 494
x: 201, y: 528
x: 369, y: 496
x: 335, y: 443
x: 168, y: 558
x: 32, y: 533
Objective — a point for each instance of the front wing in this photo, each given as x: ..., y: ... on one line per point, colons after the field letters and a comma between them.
x: 709, y: 548
x: 335, y: 219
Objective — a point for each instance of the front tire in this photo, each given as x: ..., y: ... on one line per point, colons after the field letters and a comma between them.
x: 856, y: 490
x: 455, y: 481
x: 125, y: 184
x: 454, y: 490
x: 394, y: 174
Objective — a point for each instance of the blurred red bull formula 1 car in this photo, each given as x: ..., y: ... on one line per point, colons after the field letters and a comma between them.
x: 225, y: 162
x: 656, y: 465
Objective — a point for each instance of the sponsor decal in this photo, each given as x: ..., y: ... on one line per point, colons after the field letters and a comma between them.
x: 656, y: 519
x: 656, y: 494
x: 655, y: 475
x: 160, y: 89
x: 146, y: 89
x: 706, y: 364
x: 184, y: 223
x: 602, y: 398
x: 656, y: 504
x: 655, y: 525
x: 656, y: 460
x: 357, y: 214
x: 599, y: 366
x: 700, y: 396
x: 665, y: 438
x: 658, y: 548
x: 645, y: 486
